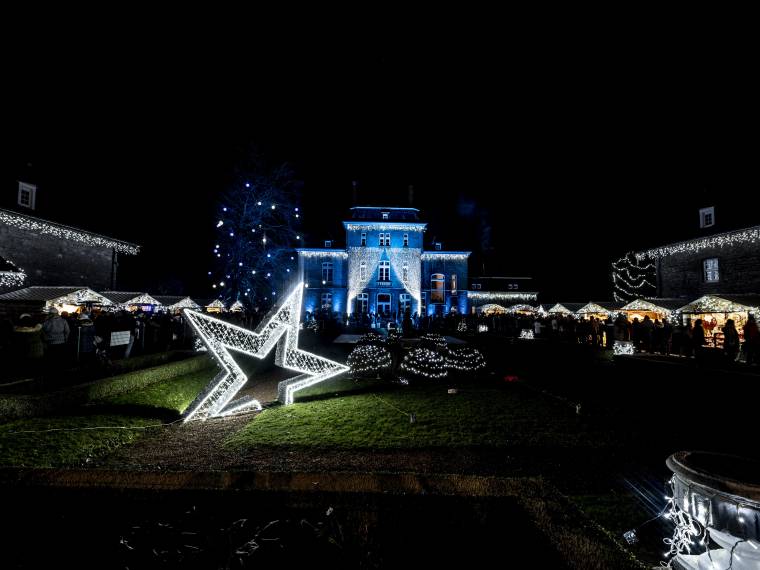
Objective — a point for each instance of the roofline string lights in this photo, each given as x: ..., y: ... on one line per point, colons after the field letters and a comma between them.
x: 280, y: 330
x: 749, y: 235
x: 502, y: 295
x: 60, y: 231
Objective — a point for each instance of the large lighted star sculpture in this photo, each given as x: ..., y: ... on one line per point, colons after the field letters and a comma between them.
x: 279, y: 328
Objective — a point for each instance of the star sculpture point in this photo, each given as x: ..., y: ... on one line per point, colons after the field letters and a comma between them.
x: 280, y: 330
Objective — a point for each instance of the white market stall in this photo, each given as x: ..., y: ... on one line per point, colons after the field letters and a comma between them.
x: 715, y: 310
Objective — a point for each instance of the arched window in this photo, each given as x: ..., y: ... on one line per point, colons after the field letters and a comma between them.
x: 437, y: 287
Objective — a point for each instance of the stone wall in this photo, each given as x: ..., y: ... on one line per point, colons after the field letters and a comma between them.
x: 48, y: 260
x: 682, y: 275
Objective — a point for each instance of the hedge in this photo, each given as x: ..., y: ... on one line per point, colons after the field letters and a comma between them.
x: 20, y: 406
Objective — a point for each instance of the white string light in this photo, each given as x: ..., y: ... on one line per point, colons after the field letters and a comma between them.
x: 445, y: 256
x: 714, y: 304
x: 631, y: 277
x: 350, y: 226
x: 501, y: 296
x: 623, y: 348
x: 368, y: 257
x: 309, y: 253
x: 425, y: 363
x: 437, y: 341
x: 408, y: 258
x: 29, y: 223
x: 593, y: 308
x: 644, y: 305
x: 12, y: 278
x: 527, y: 334
x: 465, y: 359
x: 281, y: 329
x: 369, y: 358
x: 749, y: 235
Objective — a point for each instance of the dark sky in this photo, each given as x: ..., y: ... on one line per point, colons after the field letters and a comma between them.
x: 558, y: 153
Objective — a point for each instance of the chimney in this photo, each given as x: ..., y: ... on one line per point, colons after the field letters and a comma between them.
x: 411, y: 195
x: 354, y: 193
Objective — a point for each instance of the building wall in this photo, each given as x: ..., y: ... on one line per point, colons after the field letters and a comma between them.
x: 354, y: 238
x: 456, y: 300
x: 681, y: 274
x: 48, y: 260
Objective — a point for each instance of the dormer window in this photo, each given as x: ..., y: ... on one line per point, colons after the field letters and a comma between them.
x: 328, y: 243
x: 27, y: 195
x: 406, y: 240
x: 385, y: 215
x: 707, y: 217
x: 364, y: 239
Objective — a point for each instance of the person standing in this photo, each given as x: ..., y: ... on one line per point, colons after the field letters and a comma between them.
x: 27, y: 345
x: 55, y: 332
x: 751, y: 340
x: 730, y: 341
x: 698, y: 339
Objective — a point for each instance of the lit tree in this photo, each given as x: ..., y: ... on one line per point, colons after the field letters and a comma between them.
x: 257, y: 227
x: 633, y: 278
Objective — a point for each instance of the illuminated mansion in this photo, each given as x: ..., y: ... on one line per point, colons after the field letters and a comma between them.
x: 384, y: 268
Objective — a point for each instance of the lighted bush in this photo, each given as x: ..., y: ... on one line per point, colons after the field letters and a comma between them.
x: 434, y: 341
x: 371, y: 338
x: 369, y: 360
x: 465, y: 360
x: 423, y: 364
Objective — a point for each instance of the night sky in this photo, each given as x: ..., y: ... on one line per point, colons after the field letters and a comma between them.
x: 547, y: 159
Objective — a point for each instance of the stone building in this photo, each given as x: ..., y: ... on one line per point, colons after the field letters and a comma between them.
x: 723, y: 257
x: 54, y: 254
x: 384, y: 268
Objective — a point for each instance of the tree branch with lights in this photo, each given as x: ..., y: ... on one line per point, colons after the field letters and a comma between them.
x: 257, y: 223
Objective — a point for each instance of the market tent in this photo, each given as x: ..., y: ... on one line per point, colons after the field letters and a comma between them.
x: 600, y: 310
x: 493, y: 309
x: 715, y: 310
x: 653, y: 308
x: 522, y: 309
x: 40, y: 299
x: 566, y: 308
x: 216, y: 306
x: 130, y: 299
x: 176, y: 302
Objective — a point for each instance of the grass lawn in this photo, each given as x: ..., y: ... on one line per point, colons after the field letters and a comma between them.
x: 67, y: 440
x: 475, y: 416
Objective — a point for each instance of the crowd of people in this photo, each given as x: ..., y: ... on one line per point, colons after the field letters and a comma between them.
x: 56, y: 340
x: 690, y: 338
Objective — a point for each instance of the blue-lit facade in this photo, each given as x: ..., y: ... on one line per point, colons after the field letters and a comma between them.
x: 384, y: 269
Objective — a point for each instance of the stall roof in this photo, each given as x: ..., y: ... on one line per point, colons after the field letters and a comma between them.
x: 172, y: 300
x: 565, y: 307
x: 605, y: 306
x: 723, y: 304
x: 129, y: 298
x: 44, y: 294
x: 654, y: 304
